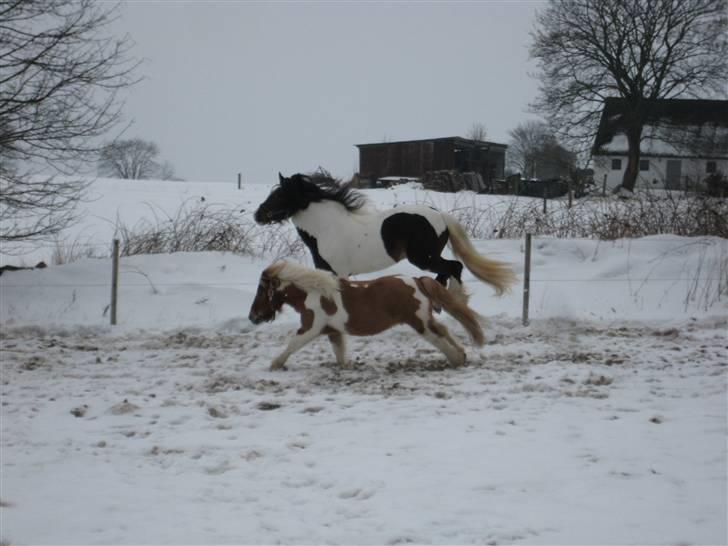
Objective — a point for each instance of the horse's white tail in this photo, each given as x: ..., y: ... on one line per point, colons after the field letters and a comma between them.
x: 499, y: 275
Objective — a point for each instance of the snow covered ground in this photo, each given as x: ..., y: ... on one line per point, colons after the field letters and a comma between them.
x: 602, y: 422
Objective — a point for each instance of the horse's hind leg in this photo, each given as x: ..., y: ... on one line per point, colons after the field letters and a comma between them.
x: 457, y: 290
x: 424, y: 252
x: 445, y: 269
x: 439, y: 336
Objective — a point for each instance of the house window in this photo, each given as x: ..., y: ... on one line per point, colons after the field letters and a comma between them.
x: 711, y: 167
x: 644, y: 164
x: 616, y: 164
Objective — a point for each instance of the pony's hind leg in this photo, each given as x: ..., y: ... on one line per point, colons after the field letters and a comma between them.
x: 439, y: 336
x: 338, y: 342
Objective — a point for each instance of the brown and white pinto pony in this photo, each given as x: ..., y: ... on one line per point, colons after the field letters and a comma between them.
x: 335, y: 307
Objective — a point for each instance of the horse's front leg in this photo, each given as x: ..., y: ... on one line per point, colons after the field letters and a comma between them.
x: 294, y: 345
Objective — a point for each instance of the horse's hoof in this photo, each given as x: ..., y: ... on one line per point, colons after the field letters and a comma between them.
x: 278, y: 367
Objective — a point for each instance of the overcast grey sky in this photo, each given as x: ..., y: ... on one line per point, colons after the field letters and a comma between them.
x: 258, y: 88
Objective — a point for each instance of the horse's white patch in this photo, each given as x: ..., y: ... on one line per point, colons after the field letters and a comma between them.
x: 434, y: 217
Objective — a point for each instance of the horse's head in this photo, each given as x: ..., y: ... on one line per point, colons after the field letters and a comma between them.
x: 268, y: 299
x: 286, y: 199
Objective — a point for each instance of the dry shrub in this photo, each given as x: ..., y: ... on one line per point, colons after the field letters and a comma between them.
x: 67, y: 252
x: 206, y: 227
x: 606, y: 218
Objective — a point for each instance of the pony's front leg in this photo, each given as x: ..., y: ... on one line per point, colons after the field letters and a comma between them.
x: 294, y: 345
x: 338, y: 342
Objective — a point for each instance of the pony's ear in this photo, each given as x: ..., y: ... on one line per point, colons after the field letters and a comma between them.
x: 281, y: 178
x: 273, y: 287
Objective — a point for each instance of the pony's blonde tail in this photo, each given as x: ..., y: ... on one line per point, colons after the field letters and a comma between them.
x: 458, y: 310
x: 500, y: 275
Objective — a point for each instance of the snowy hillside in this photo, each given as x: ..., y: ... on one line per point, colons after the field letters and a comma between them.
x: 602, y: 422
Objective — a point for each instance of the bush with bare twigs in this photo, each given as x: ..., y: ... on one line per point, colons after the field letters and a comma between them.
x: 598, y: 217
x: 205, y: 227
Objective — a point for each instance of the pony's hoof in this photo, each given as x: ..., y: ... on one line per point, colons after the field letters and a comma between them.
x: 460, y: 361
x: 278, y: 367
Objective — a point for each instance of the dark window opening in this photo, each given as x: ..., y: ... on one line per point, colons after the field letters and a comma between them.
x: 711, y: 167
x: 616, y: 164
x: 644, y: 164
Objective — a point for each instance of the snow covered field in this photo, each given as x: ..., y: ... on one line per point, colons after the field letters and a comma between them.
x: 602, y: 422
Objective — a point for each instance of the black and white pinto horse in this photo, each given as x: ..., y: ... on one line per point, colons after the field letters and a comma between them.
x: 348, y: 236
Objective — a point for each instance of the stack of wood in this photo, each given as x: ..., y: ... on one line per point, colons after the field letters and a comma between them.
x: 453, y: 181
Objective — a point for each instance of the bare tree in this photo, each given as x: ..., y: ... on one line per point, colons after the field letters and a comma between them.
x: 526, y: 141
x: 166, y: 171
x: 535, y: 153
x: 477, y: 131
x: 133, y: 159
x: 639, y: 50
x: 60, y: 78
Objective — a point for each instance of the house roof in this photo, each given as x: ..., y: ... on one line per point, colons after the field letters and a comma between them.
x: 460, y: 141
x: 674, y: 127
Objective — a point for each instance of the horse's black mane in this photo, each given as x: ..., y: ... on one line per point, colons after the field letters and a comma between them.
x: 320, y: 186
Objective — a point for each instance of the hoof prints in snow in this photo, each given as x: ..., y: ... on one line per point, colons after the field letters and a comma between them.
x: 562, y: 417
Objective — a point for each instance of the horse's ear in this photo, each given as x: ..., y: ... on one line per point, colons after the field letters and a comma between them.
x: 280, y: 178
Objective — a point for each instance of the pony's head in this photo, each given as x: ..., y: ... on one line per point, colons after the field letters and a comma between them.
x: 296, y: 193
x: 268, y: 298
x: 285, y: 282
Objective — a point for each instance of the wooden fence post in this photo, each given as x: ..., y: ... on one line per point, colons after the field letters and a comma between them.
x: 527, y: 279
x: 240, y: 181
x: 545, y: 196
x: 571, y: 194
x: 114, y: 280
x: 604, y: 186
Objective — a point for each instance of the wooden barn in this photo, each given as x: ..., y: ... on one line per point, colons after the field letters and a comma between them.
x: 414, y: 158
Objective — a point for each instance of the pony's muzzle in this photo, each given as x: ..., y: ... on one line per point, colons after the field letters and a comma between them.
x: 257, y: 318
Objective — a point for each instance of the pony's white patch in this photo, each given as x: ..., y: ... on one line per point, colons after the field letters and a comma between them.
x: 423, y: 313
x: 309, y: 280
x: 351, y: 242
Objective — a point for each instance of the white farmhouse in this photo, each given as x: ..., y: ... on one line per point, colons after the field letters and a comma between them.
x: 683, y: 143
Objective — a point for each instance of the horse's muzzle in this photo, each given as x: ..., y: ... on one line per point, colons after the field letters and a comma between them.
x: 269, y: 217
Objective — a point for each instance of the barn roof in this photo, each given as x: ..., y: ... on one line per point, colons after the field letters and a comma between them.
x: 684, y: 127
x: 456, y: 139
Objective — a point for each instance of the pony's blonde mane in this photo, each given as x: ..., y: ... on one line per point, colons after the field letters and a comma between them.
x: 305, y: 278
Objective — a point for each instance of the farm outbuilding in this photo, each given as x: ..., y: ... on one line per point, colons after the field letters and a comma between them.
x: 415, y: 158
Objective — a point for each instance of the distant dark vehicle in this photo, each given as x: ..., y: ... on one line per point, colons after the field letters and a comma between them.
x: 550, y: 189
